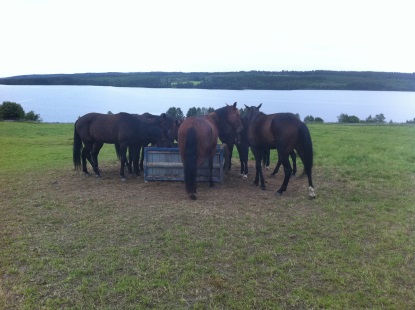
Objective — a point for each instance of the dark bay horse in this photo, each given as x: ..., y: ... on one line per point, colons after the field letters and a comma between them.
x: 94, y: 129
x: 198, y: 137
x: 169, y: 126
x: 228, y: 136
x: 243, y: 147
x: 284, y: 132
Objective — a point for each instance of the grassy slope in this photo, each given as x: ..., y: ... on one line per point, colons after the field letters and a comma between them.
x: 76, y: 242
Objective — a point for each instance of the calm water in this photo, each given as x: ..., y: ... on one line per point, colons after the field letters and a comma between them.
x: 67, y: 103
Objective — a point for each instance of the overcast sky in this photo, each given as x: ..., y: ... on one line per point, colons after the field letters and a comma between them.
x: 77, y: 36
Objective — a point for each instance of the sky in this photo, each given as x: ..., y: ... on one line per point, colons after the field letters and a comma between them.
x: 79, y: 36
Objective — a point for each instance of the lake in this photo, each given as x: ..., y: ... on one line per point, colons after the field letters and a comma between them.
x: 67, y: 103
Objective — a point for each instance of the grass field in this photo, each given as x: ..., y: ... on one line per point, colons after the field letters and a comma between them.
x: 76, y: 242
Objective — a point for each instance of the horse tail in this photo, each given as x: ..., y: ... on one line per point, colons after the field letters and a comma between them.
x: 305, y: 149
x: 117, y: 150
x: 77, y: 148
x: 190, y: 167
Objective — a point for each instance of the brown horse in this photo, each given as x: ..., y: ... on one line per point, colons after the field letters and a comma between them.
x: 284, y: 132
x: 198, y: 137
x: 169, y: 126
x: 125, y: 130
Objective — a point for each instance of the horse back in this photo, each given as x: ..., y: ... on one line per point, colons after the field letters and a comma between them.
x: 269, y: 131
x: 206, y: 135
x: 99, y: 127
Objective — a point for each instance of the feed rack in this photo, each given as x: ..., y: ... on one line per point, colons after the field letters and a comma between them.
x: 165, y: 164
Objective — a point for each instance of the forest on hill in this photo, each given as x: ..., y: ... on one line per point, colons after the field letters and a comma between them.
x: 266, y: 80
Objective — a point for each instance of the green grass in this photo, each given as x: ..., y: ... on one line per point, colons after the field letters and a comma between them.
x: 69, y: 241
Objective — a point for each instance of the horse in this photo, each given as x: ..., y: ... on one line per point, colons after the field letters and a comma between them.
x: 230, y: 138
x: 198, y: 137
x: 168, y: 125
x: 285, y: 132
x: 92, y: 130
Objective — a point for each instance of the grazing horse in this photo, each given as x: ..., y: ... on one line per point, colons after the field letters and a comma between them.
x: 167, y: 123
x: 228, y: 136
x: 198, y: 137
x: 125, y: 130
x: 285, y: 132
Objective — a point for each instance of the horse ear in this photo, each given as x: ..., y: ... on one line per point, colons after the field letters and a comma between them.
x: 259, y: 105
x: 248, y: 108
x: 234, y: 105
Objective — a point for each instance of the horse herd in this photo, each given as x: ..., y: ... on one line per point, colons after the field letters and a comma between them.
x: 197, y: 138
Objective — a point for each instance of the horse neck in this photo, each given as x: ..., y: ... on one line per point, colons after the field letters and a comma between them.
x: 214, y: 118
x: 255, y: 117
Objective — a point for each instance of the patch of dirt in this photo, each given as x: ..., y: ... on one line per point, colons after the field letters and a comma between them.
x: 233, y: 190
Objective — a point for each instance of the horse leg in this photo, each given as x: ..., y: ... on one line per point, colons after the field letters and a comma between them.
x: 141, y: 158
x: 87, y: 155
x: 94, y: 156
x: 287, y: 173
x: 243, y: 158
x: 267, y: 155
x: 259, y: 155
x: 311, y: 192
x: 135, y: 158
x: 230, y: 151
x: 245, y: 176
x: 294, y: 159
x: 277, y: 168
x: 84, y: 157
x: 129, y: 162
x: 211, y: 184
x: 244, y: 169
x: 123, y: 153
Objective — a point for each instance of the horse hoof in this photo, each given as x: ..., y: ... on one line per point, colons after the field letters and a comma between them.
x: 123, y: 179
x: 263, y: 188
x: 97, y: 176
x: 244, y: 176
x: 192, y: 196
x: 311, y: 193
x: 279, y: 192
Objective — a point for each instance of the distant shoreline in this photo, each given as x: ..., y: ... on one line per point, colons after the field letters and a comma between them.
x: 255, y: 80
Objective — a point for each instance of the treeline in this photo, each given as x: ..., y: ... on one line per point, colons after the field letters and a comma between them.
x: 342, y: 118
x: 266, y: 80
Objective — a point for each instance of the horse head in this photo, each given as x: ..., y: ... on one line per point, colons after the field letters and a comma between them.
x: 168, y: 127
x: 253, y: 112
x: 234, y: 118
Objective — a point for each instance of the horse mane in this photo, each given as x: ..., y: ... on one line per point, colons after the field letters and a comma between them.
x: 222, y: 113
